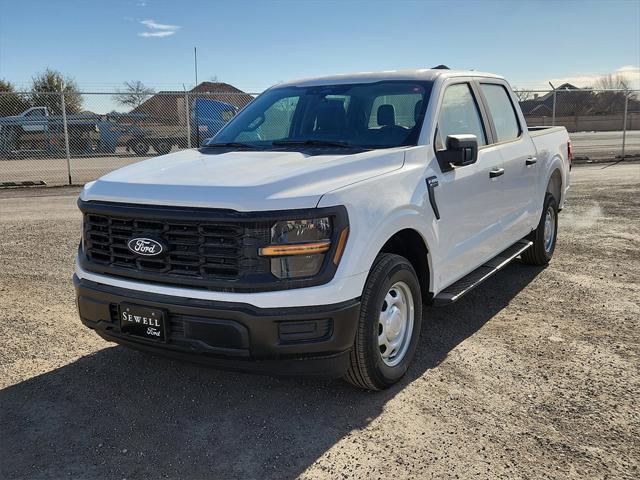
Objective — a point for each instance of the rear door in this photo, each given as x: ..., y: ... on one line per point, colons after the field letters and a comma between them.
x: 470, y: 198
x: 519, y: 159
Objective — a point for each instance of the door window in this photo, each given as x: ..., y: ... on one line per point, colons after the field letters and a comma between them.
x: 502, y: 111
x: 459, y: 115
x: 35, y: 113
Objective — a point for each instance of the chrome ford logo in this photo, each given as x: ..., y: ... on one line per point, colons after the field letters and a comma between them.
x: 145, y: 246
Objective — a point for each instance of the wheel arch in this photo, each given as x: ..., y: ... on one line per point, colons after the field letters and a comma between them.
x: 410, y: 244
x: 554, y: 185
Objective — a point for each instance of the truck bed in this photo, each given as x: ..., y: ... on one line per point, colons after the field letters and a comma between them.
x: 538, y: 131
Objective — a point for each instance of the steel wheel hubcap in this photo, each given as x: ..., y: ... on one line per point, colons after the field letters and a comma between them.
x: 549, y: 229
x: 395, y: 324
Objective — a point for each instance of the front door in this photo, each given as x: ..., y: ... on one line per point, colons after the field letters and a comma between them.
x: 470, y: 198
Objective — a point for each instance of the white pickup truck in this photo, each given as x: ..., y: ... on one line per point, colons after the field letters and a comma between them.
x: 305, y: 237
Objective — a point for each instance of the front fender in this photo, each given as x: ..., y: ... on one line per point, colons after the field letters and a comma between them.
x: 379, y: 208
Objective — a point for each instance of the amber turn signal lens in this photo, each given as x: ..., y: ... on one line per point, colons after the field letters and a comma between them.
x: 342, y: 242
x: 295, y: 249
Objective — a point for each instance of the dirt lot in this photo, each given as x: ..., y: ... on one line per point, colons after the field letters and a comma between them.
x: 533, y: 375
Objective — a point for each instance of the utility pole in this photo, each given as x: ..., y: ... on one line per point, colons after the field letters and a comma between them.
x: 195, y: 62
x: 553, y: 115
x: 195, y: 65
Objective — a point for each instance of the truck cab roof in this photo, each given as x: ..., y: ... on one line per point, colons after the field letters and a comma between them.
x: 420, y: 74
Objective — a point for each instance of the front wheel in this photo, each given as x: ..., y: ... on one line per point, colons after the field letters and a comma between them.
x: 544, y: 236
x: 389, y: 324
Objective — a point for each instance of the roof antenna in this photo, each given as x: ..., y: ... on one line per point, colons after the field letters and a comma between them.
x: 441, y: 67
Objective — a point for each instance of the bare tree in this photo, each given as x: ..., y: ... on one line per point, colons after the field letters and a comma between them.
x: 612, y: 94
x: 134, y: 94
x: 612, y: 82
x: 523, y: 95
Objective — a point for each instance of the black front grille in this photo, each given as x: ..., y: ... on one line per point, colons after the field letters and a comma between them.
x: 211, y: 249
x: 200, y: 253
x: 197, y: 250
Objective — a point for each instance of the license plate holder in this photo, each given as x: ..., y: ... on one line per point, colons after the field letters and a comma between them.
x: 142, y: 322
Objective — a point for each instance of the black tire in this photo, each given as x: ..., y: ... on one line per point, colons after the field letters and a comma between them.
x: 140, y: 147
x: 540, y: 252
x: 162, y: 147
x: 368, y: 370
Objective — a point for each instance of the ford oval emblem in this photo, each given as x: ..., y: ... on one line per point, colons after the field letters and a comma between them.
x: 145, y: 246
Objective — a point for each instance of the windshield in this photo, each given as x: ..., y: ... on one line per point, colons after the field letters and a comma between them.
x: 369, y: 115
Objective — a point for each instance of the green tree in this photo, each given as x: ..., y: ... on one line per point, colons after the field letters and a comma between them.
x: 11, y: 103
x: 46, y: 88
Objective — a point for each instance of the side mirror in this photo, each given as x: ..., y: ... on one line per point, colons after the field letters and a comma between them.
x: 461, y: 150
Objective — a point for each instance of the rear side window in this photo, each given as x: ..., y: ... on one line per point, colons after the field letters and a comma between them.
x: 502, y: 112
x: 459, y: 115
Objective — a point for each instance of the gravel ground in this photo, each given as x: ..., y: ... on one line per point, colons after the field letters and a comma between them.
x: 533, y: 375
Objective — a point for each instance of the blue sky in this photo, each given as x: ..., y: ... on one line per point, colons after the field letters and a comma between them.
x: 255, y: 44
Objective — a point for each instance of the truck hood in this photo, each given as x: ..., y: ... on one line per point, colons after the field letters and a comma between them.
x: 240, y: 180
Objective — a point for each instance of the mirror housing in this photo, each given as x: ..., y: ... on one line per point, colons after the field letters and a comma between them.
x: 461, y: 150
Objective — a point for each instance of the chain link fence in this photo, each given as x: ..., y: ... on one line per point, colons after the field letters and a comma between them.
x: 602, y: 124
x: 72, y: 138
x: 59, y: 139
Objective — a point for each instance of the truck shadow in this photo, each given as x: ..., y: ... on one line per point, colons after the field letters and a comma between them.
x: 123, y: 414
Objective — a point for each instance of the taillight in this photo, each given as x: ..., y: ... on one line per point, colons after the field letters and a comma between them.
x: 569, y: 152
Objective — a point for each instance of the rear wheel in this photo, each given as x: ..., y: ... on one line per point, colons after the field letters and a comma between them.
x: 544, y: 236
x: 389, y: 324
x: 140, y: 147
x: 162, y: 147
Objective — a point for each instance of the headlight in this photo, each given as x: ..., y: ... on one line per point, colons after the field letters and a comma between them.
x: 298, y: 247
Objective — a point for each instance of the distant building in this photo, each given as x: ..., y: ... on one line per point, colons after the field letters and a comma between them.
x: 168, y: 106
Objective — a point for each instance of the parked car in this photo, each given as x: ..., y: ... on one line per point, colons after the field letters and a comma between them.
x: 305, y: 237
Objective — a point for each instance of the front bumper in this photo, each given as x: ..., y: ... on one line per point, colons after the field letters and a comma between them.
x: 289, y: 341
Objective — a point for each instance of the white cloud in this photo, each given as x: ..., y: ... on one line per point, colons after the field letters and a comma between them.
x: 629, y: 73
x: 155, y: 34
x: 158, y: 30
x: 152, y: 24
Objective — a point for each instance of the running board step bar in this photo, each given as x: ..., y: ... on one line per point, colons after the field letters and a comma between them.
x: 467, y: 283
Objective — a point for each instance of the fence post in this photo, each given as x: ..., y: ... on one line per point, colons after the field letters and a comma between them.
x: 187, y: 117
x: 66, y: 135
x: 553, y: 114
x: 624, y: 123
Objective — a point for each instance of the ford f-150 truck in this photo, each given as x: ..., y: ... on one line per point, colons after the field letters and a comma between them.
x: 305, y: 237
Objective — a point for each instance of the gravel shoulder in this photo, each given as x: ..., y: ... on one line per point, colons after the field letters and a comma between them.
x: 533, y: 375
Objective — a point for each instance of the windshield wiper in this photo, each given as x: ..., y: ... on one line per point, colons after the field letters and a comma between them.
x: 230, y: 144
x: 314, y: 143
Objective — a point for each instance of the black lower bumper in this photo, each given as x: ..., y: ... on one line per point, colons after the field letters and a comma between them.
x: 235, y: 336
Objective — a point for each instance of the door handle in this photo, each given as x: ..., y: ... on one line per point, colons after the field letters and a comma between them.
x: 531, y: 161
x: 496, y: 173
